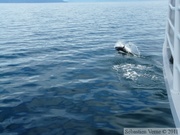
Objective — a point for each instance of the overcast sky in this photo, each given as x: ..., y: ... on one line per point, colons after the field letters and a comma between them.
x: 62, y: 0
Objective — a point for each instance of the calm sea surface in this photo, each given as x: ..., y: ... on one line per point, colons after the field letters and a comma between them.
x: 60, y: 74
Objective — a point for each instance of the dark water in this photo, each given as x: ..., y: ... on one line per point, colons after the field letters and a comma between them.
x: 60, y: 74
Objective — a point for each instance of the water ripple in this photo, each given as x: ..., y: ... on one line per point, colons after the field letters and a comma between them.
x: 60, y: 74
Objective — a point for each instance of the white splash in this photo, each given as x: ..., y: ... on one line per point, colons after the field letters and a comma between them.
x: 130, y: 47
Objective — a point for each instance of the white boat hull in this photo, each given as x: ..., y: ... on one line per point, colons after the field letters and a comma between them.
x: 171, y: 59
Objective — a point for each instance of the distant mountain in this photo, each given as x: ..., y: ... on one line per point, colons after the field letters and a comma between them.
x: 29, y: 1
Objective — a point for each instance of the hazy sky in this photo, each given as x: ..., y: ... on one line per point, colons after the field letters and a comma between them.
x: 99, y: 0
x: 30, y: 1
x: 34, y: 1
x: 60, y: 0
x: 92, y: 0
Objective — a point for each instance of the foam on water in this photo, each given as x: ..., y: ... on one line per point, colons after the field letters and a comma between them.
x: 134, y: 72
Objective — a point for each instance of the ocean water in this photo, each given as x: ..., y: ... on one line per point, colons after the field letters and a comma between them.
x: 60, y: 73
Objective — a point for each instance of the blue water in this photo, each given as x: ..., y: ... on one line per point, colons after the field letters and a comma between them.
x: 60, y: 74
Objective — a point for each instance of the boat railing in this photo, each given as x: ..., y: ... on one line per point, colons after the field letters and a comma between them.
x: 173, y: 42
